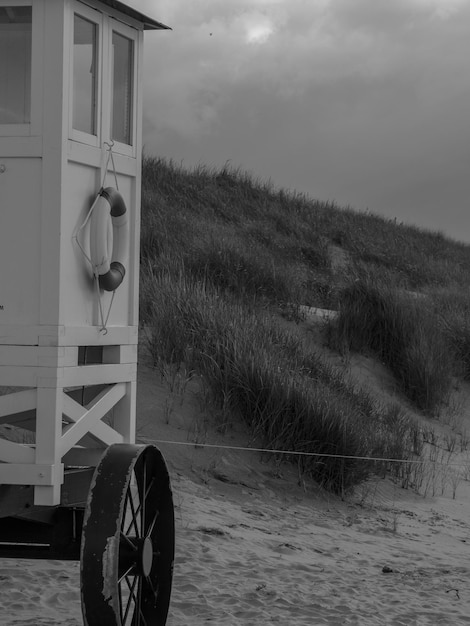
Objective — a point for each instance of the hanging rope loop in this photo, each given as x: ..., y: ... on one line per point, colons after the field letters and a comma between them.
x: 109, y: 147
x: 109, y: 237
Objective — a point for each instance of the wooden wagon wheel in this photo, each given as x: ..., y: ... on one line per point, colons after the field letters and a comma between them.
x: 128, y: 540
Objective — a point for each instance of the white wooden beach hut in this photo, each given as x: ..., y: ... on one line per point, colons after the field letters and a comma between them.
x: 70, y: 162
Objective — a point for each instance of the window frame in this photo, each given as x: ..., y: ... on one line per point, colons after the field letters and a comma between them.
x: 97, y: 18
x: 26, y: 129
x: 115, y: 26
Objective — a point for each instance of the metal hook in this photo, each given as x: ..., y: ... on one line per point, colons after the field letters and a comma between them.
x: 109, y: 145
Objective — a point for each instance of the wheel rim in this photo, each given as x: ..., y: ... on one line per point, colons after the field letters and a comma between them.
x: 128, y: 540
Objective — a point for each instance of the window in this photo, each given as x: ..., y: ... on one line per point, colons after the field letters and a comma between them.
x: 85, y: 61
x: 15, y: 64
x: 122, y: 88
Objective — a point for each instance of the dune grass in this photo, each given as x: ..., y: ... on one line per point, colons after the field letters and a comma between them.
x: 452, y: 308
x: 404, y: 332
x: 288, y: 396
x: 222, y: 255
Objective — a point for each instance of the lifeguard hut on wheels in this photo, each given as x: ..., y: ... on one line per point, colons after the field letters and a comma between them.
x: 73, y: 484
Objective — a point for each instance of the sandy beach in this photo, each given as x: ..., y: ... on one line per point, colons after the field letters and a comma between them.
x: 258, y: 545
x: 250, y: 554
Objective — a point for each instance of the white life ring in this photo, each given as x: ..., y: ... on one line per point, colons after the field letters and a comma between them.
x: 109, y: 238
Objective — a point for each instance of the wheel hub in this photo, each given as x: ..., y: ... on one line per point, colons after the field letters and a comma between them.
x: 146, y: 556
x: 136, y: 554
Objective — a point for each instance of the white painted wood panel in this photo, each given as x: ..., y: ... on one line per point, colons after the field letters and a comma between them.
x: 15, y: 453
x: 34, y: 474
x: 49, y: 377
x: 20, y: 242
x: 17, y: 402
x: 39, y: 356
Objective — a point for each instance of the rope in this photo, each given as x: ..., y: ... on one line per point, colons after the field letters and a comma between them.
x: 104, y: 321
x: 75, y: 237
x: 298, y: 453
x: 110, y: 157
x: 103, y: 318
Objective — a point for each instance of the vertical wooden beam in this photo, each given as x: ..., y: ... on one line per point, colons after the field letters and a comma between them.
x: 137, y: 184
x: 124, y: 413
x: 48, y: 435
x: 37, y: 68
x: 53, y: 161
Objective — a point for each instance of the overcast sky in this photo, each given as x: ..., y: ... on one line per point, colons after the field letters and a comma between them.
x: 364, y: 102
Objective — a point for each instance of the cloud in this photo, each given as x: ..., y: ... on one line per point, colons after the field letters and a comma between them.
x: 258, y: 29
x: 362, y: 101
x: 304, y: 45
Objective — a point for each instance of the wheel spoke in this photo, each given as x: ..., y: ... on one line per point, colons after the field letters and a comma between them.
x: 139, y: 617
x: 143, y: 619
x: 152, y: 524
x: 148, y: 580
x: 123, y: 536
x: 149, y: 487
x: 126, y: 573
x: 120, y: 603
x: 142, y: 502
x: 131, y: 597
x: 134, y: 515
x: 128, y: 504
x: 139, y: 598
x: 123, y: 522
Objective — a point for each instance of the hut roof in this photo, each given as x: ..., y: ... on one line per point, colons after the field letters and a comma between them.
x: 148, y: 22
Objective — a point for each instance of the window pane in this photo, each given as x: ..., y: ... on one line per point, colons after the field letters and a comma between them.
x: 122, y: 109
x: 84, y: 75
x: 15, y: 64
